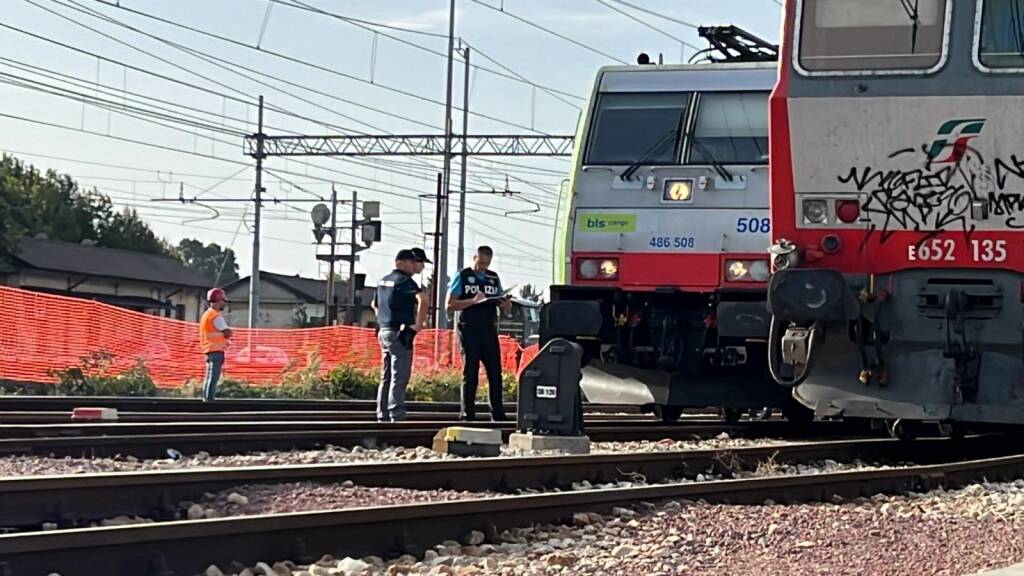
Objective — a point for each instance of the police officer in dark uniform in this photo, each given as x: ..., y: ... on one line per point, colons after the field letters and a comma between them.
x: 476, y: 293
x: 401, y: 308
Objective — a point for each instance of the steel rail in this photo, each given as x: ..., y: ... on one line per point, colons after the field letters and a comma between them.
x: 78, y: 499
x: 230, y: 438
x: 128, y: 404
x: 187, y: 547
x: 59, y: 417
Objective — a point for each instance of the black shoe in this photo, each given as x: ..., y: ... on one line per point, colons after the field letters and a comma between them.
x: 499, y: 418
x: 465, y: 418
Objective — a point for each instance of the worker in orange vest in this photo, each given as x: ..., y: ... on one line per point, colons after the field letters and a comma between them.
x: 214, y: 335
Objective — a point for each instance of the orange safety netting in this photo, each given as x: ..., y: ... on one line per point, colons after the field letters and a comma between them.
x: 40, y: 333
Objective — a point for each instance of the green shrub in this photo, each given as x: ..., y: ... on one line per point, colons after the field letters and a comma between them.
x: 95, y: 376
x: 350, y: 382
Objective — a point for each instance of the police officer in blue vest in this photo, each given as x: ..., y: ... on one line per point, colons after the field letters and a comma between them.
x: 476, y: 293
x: 401, y: 307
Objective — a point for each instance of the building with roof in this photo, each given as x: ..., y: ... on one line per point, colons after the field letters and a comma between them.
x: 143, y: 282
x: 293, y: 301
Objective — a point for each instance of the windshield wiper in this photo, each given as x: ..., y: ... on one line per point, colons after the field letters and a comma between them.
x: 1017, y: 22
x: 915, y: 18
x: 719, y: 168
x: 628, y: 172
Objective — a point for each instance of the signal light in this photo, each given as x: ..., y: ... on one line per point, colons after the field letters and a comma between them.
x: 747, y: 271
x: 815, y: 212
x: 603, y: 269
x: 848, y: 211
x: 677, y: 191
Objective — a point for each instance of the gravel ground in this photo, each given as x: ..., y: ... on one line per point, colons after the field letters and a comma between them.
x: 939, y: 533
x: 308, y: 496
x: 41, y: 465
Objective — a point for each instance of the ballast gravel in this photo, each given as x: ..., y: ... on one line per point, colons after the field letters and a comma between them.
x: 950, y: 533
x: 43, y: 465
x: 308, y: 497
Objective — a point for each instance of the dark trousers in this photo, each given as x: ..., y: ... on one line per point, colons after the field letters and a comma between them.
x: 214, y: 368
x: 481, y: 345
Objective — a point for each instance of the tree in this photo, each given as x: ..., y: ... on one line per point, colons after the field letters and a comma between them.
x: 210, y: 261
x: 33, y: 203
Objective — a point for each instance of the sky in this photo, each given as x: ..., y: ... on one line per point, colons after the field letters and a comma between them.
x: 330, y: 70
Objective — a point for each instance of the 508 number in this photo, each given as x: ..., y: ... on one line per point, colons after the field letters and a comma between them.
x: 753, y: 225
x: 672, y: 242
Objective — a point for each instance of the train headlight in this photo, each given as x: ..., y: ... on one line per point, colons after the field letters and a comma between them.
x: 737, y: 271
x: 760, y: 270
x: 746, y: 271
x: 599, y: 269
x: 589, y: 269
x: 677, y: 191
x: 610, y: 269
x: 815, y: 212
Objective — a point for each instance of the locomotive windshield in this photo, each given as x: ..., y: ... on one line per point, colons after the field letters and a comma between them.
x: 632, y: 127
x: 1002, y: 34
x: 871, y: 35
x: 732, y: 128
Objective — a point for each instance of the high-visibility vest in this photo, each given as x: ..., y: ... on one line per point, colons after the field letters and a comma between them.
x: 212, y: 340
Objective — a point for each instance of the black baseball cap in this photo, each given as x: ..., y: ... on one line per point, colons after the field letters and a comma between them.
x: 420, y: 255
x: 405, y: 255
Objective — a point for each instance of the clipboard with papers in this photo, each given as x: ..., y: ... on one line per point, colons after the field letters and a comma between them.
x: 504, y: 294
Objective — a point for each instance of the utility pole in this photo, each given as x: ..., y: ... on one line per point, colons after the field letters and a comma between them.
x: 442, y: 261
x: 352, y: 262
x: 461, y: 259
x: 330, y: 310
x: 437, y: 249
x: 254, y: 278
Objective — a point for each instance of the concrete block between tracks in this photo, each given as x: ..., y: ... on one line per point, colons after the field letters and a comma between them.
x: 463, y: 441
x: 531, y: 442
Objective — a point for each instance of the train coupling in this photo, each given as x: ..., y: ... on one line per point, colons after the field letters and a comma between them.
x: 795, y: 345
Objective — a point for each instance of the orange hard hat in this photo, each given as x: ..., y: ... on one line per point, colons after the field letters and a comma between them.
x: 216, y: 295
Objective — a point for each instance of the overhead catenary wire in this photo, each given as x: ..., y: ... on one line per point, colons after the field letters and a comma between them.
x: 147, y: 53
x: 210, y: 59
x: 275, y: 54
x: 213, y: 157
x: 650, y: 12
x: 176, y: 81
x: 555, y: 95
x: 647, y: 24
x: 119, y: 109
x: 366, y: 25
x: 113, y: 106
x: 210, y: 156
x: 549, y: 31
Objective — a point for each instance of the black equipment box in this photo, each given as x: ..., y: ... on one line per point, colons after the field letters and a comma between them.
x: 550, y: 400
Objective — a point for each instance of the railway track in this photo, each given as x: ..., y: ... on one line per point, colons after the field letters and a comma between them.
x: 153, y: 440
x: 75, y: 500
x: 195, y: 405
x: 188, y: 547
x: 57, y: 417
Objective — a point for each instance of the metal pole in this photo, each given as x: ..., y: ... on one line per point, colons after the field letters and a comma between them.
x: 437, y: 249
x: 329, y: 308
x: 442, y: 261
x: 254, y: 278
x: 352, y: 262
x: 461, y: 260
